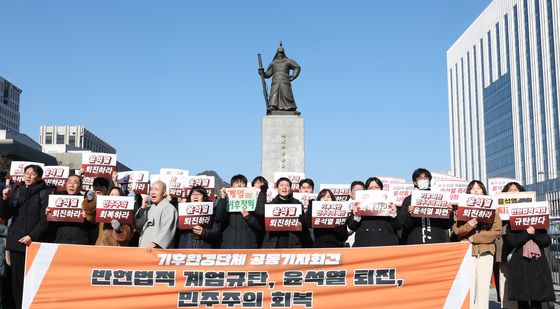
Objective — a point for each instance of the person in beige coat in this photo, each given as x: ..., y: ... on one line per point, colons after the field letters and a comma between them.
x: 481, y: 236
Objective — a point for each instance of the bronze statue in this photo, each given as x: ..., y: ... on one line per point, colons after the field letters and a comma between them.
x: 281, y: 100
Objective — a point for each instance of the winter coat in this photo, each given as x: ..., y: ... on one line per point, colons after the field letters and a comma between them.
x: 288, y: 239
x: 326, y: 237
x: 529, y: 279
x: 423, y: 230
x: 210, y: 238
x: 374, y: 231
x: 238, y: 232
x: 76, y: 233
x: 484, y: 234
x: 26, y: 206
x: 105, y: 236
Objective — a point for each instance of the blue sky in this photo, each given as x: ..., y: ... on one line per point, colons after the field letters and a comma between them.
x: 175, y: 83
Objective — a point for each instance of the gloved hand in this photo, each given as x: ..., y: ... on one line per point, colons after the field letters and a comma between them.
x: 116, y: 225
x: 90, y: 195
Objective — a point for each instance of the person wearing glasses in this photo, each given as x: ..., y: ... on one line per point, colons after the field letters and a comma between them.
x: 25, y: 205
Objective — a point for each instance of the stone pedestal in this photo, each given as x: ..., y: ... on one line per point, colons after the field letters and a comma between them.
x: 282, y: 145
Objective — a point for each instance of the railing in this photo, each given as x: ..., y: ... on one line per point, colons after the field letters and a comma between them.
x: 554, y: 249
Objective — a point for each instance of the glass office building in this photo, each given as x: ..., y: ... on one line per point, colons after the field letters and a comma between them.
x: 503, y: 95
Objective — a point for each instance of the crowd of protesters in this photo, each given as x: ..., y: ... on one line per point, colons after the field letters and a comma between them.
x: 524, y: 277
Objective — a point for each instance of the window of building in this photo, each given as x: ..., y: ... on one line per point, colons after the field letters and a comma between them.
x: 60, y: 139
x: 48, y: 138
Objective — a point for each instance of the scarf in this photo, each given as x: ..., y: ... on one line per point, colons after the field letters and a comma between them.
x: 531, y: 250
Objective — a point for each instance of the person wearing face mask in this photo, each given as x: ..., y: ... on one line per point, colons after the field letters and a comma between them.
x: 240, y: 230
x: 374, y: 231
x: 199, y: 237
x: 481, y: 236
x: 422, y: 230
x: 326, y: 237
x: 287, y: 239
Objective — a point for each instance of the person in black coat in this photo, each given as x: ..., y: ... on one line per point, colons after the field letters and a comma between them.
x: 374, y: 231
x: 422, y: 230
x: 25, y: 205
x: 77, y: 233
x: 200, y: 237
x: 326, y: 237
x: 288, y: 239
x: 530, y: 280
x: 240, y: 230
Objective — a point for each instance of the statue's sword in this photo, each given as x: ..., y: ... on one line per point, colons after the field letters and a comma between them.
x: 265, y: 92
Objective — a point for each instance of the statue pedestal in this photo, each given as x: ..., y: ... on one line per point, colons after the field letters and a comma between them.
x: 282, y: 145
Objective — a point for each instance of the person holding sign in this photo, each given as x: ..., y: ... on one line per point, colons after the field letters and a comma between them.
x: 199, y: 237
x: 288, y: 239
x: 77, y: 233
x: 530, y: 279
x: 107, y: 233
x: 482, y: 236
x: 240, y: 230
x: 503, y: 249
x: 326, y: 237
x: 374, y: 231
x: 25, y: 205
x: 421, y: 230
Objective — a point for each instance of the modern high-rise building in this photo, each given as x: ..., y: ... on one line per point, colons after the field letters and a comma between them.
x: 9, y: 106
x: 503, y: 85
x: 73, y: 136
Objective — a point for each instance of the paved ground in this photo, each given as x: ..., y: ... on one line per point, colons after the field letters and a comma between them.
x: 494, y: 304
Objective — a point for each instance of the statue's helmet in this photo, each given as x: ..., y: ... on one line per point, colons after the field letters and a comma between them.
x: 280, y: 49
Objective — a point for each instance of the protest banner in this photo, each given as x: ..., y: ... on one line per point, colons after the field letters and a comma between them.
x: 388, y: 181
x: 173, y: 172
x: 440, y: 177
x: 417, y: 276
x: 270, y: 195
x: 399, y: 191
x: 95, y: 164
x: 329, y: 214
x: 56, y: 176
x: 454, y: 187
x: 207, y: 182
x: 523, y: 215
x: 304, y: 198
x: 283, y: 217
x: 428, y: 204
x: 17, y: 171
x: 341, y: 191
x: 503, y: 200
x: 120, y: 208
x: 174, y: 184
x: 496, y: 185
x: 196, y: 213
x: 479, y: 207
x: 65, y: 208
x: 240, y: 199
x: 87, y: 183
x: 373, y: 203
x: 134, y: 181
x: 294, y: 177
